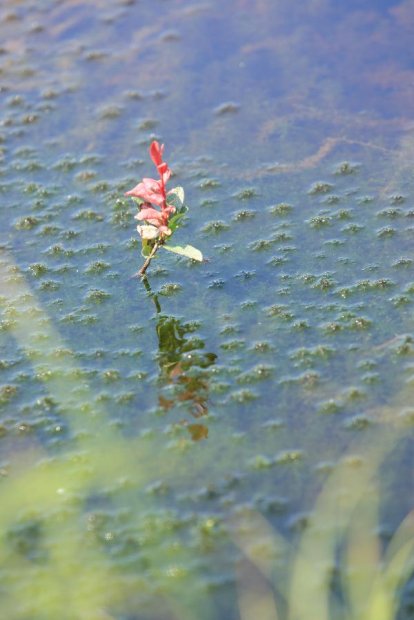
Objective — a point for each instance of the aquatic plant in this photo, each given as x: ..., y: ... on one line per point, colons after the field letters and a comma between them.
x: 159, y: 223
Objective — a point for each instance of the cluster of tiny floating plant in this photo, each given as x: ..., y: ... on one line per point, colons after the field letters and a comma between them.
x: 160, y: 223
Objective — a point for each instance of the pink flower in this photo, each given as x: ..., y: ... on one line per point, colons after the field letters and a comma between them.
x: 154, y: 193
x: 164, y: 172
x: 149, y: 190
x: 151, y: 215
x: 155, y: 218
x: 156, y: 152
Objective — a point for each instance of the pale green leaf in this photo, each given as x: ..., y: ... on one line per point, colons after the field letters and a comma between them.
x: 147, y: 231
x: 187, y: 250
x: 177, y: 195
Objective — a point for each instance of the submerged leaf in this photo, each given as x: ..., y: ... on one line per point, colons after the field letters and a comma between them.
x: 188, y: 250
x: 198, y: 431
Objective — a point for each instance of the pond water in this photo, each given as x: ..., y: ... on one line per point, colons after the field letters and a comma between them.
x: 224, y: 440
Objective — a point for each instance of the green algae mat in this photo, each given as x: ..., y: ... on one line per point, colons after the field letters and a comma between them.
x: 226, y: 439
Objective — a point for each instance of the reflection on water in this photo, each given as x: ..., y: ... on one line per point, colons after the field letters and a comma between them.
x: 183, y: 365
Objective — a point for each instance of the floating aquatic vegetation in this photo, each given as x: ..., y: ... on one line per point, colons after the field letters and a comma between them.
x: 159, y: 225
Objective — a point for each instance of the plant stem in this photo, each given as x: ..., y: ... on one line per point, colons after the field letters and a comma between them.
x: 149, y: 258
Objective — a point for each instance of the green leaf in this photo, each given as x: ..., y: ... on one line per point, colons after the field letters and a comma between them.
x: 175, y: 221
x: 187, y: 250
x: 138, y: 201
x: 147, y: 245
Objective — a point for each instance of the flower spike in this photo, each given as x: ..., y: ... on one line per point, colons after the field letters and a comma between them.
x: 160, y: 218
